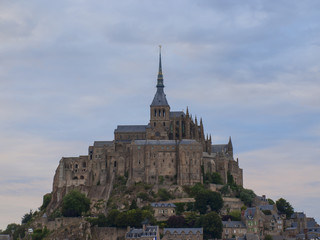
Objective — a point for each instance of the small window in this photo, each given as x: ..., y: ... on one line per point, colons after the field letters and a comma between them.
x: 164, y: 124
x: 154, y: 124
x: 115, y: 164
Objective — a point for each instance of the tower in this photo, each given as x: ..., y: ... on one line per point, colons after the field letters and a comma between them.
x: 159, y: 110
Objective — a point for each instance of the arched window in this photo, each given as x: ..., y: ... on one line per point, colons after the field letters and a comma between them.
x: 159, y: 113
x: 164, y: 113
x: 164, y: 124
x: 81, y: 177
x: 154, y: 124
x: 115, y: 164
x: 75, y: 178
x: 155, y: 112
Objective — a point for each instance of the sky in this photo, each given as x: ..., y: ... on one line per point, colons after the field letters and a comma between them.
x: 72, y: 70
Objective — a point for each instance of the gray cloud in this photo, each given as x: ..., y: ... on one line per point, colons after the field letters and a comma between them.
x: 70, y: 71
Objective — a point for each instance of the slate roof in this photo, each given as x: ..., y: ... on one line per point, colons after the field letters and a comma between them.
x: 176, y: 114
x: 219, y: 148
x: 298, y: 215
x: 233, y: 224
x: 140, y: 233
x: 102, y: 143
x: 4, y: 237
x: 155, y: 142
x: 164, y: 142
x: 266, y: 207
x: 185, y: 230
x: 187, y: 141
x: 311, y: 223
x: 159, y: 98
x: 163, y: 205
x: 250, y: 212
x: 131, y: 128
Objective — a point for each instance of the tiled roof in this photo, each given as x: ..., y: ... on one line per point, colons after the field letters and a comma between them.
x: 130, y: 128
x: 163, y: 205
x: 185, y: 230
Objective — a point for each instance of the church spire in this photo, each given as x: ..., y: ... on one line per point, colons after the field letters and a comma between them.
x: 160, y: 98
x: 160, y: 76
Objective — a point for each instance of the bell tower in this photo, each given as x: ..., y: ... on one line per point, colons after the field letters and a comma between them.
x: 159, y: 110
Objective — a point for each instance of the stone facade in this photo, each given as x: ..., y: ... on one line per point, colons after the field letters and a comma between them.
x: 162, y: 211
x: 171, y: 149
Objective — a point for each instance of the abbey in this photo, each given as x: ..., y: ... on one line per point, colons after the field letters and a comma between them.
x: 172, y: 148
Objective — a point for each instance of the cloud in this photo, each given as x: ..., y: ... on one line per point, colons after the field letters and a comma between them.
x: 287, y: 169
x: 70, y: 71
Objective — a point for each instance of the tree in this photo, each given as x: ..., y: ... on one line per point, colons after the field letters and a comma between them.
x: 284, y: 207
x: 268, y: 237
x: 133, y: 204
x: 270, y: 201
x: 205, y: 199
x: 74, y: 204
x: 176, y: 222
x: 46, y: 200
x: 230, y: 178
x: 213, y: 178
x: 235, y: 215
x: 247, y: 196
x: 212, y: 225
x: 40, y: 234
x: 111, y: 218
x: 27, y: 217
x: 164, y: 195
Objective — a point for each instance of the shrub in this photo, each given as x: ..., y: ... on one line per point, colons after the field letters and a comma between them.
x: 74, y: 204
x: 46, y: 200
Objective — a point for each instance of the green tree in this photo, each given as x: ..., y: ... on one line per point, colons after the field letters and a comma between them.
x: 212, y: 225
x: 46, y: 200
x: 133, y: 204
x: 247, y: 196
x: 268, y: 237
x: 230, y: 178
x: 176, y: 222
x: 111, y: 218
x: 164, y: 195
x: 284, y: 207
x: 270, y: 201
x: 40, y: 234
x: 235, y: 215
x: 213, y: 178
x: 205, y: 199
x: 27, y: 217
x: 16, y: 230
x: 74, y: 204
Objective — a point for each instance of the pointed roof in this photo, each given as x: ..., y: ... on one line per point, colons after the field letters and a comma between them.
x: 160, y: 98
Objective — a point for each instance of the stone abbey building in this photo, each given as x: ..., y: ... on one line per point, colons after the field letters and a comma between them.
x: 172, y: 148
